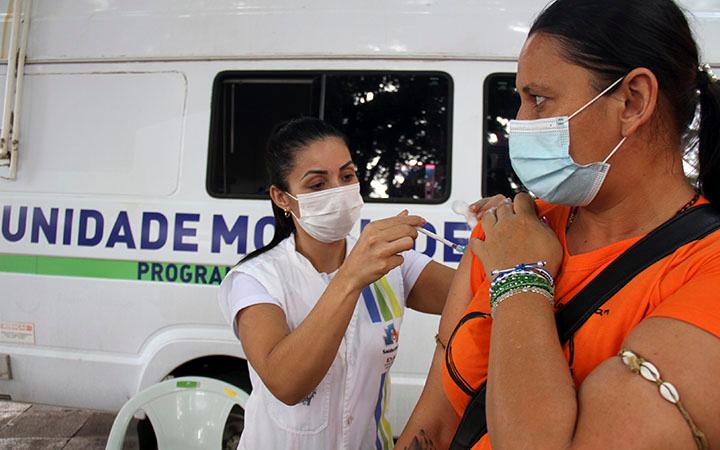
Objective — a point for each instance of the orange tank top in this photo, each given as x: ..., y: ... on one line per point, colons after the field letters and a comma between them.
x: 682, y: 286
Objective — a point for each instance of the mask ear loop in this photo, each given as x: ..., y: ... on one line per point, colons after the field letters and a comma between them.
x: 617, y: 147
x: 608, y: 89
x: 292, y: 213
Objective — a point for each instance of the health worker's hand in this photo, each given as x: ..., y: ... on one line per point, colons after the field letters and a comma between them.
x: 473, y: 213
x: 481, y: 206
x: 378, y: 249
x: 514, y: 235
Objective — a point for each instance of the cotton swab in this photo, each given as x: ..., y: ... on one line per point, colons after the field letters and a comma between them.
x: 463, y: 209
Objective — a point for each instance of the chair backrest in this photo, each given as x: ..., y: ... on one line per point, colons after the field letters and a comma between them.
x: 186, y: 413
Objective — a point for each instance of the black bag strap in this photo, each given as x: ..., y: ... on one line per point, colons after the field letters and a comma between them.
x: 692, y: 225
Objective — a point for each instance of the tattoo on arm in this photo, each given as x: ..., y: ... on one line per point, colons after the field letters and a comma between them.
x: 421, y: 442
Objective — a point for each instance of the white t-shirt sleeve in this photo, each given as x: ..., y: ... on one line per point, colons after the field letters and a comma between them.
x: 246, y: 291
x: 413, y: 265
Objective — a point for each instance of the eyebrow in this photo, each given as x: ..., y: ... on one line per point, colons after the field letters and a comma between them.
x: 534, y: 87
x: 325, y: 172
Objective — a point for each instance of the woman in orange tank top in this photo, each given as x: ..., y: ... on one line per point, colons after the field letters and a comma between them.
x: 608, y: 89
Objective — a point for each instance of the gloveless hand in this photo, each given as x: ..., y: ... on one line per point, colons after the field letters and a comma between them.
x: 481, y: 206
x: 378, y: 249
x: 514, y: 235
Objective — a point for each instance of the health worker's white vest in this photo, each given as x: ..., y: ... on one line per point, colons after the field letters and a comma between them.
x: 348, y: 410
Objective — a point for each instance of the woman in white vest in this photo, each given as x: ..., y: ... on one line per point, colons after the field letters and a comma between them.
x: 318, y: 312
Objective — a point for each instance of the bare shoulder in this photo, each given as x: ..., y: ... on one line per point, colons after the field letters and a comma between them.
x: 619, y: 408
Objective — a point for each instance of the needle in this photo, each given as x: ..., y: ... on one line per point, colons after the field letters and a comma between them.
x: 459, y: 248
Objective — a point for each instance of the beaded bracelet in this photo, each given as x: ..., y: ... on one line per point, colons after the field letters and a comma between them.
x: 499, y: 279
x: 545, y: 274
x: 519, y: 281
x: 529, y: 271
x: 537, y: 265
x: 536, y: 268
x: 535, y: 290
x: 498, y: 292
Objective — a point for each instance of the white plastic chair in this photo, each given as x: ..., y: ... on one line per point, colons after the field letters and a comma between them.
x: 186, y: 413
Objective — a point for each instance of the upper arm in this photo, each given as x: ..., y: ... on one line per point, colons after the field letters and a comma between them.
x: 620, y: 409
x: 239, y: 291
x: 434, y: 415
x: 430, y: 291
x: 257, y: 317
x: 458, y: 299
x: 433, y: 418
x: 260, y: 328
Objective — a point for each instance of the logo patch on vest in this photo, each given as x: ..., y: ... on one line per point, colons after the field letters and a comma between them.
x: 391, y: 335
x: 306, y: 401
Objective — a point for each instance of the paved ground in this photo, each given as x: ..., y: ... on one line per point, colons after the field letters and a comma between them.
x: 39, y: 427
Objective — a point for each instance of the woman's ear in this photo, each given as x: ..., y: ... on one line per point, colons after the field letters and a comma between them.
x: 280, y: 198
x: 639, y: 93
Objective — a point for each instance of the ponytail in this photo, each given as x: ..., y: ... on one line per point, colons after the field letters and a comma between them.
x: 284, y: 227
x: 709, y: 134
x: 286, y: 141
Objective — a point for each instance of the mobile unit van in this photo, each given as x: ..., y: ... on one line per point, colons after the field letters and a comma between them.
x: 131, y: 157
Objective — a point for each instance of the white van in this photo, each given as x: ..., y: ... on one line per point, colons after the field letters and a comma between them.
x: 131, y: 158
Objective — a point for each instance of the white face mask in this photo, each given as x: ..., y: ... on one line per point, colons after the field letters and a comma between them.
x: 330, y: 215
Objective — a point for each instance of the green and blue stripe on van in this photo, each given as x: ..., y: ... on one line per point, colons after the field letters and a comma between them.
x: 110, y: 269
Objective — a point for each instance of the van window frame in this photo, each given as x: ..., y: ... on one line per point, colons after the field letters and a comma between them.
x: 215, y: 117
x: 489, y: 79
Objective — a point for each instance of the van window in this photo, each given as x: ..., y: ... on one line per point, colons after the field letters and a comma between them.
x: 399, y: 126
x: 501, y: 104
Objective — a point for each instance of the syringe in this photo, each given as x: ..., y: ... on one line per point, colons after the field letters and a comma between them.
x: 459, y: 248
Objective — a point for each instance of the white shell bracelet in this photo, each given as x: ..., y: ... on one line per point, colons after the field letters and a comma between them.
x: 647, y: 370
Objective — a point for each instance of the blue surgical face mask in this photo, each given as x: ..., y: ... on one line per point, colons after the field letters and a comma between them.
x: 540, y: 156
